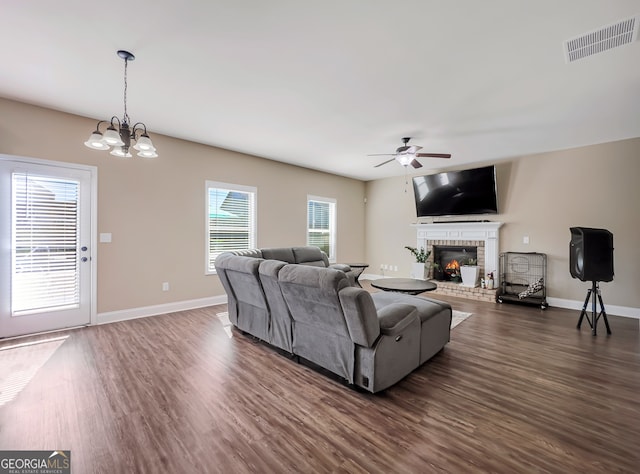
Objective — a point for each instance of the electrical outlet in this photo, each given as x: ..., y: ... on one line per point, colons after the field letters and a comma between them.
x: 395, y: 268
x: 385, y: 267
x: 525, y: 239
x: 165, y: 286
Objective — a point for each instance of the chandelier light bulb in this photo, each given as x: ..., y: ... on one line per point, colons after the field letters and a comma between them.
x: 120, y: 151
x: 148, y: 154
x: 96, y: 141
x: 112, y: 137
x: 144, y: 143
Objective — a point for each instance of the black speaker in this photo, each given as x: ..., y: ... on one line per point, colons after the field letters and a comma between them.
x: 591, y: 254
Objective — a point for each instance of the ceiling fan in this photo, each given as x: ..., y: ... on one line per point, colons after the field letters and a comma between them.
x: 406, y: 155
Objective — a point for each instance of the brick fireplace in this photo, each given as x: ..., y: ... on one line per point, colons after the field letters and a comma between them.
x: 452, y: 254
x: 481, y: 236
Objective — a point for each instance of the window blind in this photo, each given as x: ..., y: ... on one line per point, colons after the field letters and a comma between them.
x: 320, y: 231
x: 45, y: 227
x: 231, y: 222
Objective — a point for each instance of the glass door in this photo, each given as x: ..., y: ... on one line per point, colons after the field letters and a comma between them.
x: 45, y: 234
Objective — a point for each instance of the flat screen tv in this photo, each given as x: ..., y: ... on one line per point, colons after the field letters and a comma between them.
x: 456, y: 193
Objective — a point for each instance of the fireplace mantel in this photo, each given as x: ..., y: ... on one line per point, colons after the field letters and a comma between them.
x: 485, y: 231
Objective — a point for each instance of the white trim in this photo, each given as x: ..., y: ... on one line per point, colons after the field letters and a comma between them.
x: 485, y: 231
x: 159, y: 309
x: 41, y: 161
x: 612, y: 310
x: 370, y: 276
x: 93, y: 172
x: 253, y: 234
x: 93, y: 255
x: 23, y: 336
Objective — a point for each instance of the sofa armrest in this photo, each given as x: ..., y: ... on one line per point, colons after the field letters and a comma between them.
x: 360, y: 315
x: 394, y: 318
x: 343, y: 267
x: 351, y: 275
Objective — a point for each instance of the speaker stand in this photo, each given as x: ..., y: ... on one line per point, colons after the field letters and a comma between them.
x: 593, y: 322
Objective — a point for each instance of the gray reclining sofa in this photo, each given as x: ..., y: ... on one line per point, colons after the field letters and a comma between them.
x: 293, y: 299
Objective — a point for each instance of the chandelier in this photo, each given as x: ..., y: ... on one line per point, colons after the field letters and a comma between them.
x: 119, y: 133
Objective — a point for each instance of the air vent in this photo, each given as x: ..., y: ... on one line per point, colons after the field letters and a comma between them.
x: 608, y: 37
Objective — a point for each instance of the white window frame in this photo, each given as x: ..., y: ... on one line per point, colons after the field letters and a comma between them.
x: 253, y: 193
x: 333, y: 212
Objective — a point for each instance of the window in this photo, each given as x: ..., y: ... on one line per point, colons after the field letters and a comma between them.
x: 231, y: 219
x: 45, y: 239
x: 321, y: 224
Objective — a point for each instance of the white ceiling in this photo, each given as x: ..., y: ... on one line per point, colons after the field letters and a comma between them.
x: 322, y: 84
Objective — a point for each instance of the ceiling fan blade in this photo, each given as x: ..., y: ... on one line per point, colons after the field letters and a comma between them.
x: 384, y: 162
x: 434, y: 155
x: 413, y: 148
x: 383, y: 154
x: 416, y: 164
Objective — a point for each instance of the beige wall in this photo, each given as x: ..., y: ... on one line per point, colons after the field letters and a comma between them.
x: 155, y: 209
x: 540, y: 196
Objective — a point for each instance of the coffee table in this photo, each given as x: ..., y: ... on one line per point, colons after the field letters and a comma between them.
x: 404, y: 285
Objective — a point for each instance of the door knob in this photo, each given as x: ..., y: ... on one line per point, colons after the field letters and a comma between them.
x: 84, y: 249
x: 84, y: 259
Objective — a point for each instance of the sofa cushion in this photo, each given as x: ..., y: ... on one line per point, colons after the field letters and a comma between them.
x: 320, y: 332
x: 426, y: 308
x: 395, y: 317
x: 284, y: 254
x: 280, y: 329
x: 312, y: 296
x: 255, y: 253
x: 250, y: 311
x: 310, y: 256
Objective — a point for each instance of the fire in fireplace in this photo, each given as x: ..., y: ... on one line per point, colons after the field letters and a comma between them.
x: 452, y: 269
x: 448, y: 258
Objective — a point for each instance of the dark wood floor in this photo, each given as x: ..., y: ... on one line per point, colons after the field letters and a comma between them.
x: 517, y: 389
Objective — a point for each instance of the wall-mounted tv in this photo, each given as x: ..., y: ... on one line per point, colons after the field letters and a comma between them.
x: 456, y: 193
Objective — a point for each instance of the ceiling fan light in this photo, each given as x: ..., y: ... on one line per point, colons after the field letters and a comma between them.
x: 144, y: 143
x: 96, y: 141
x: 121, y: 152
x: 112, y: 137
x: 404, y: 159
x: 148, y: 153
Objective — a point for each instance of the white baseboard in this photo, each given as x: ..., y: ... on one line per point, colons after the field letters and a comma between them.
x: 613, y: 310
x: 155, y: 310
x: 371, y: 276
